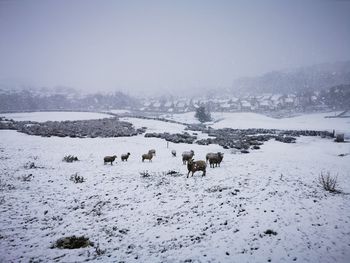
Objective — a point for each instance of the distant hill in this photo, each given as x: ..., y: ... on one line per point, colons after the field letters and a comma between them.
x: 312, y: 78
x: 60, y: 98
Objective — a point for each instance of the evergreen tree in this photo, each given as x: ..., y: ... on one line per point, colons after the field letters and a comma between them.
x: 202, y: 114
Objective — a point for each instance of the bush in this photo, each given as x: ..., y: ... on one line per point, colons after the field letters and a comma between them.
x: 145, y: 174
x: 30, y: 165
x: 270, y: 232
x: 339, y: 137
x: 77, y: 179
x: 328, y: 182
x: 70, y: 158
x: 26, y: 178
x: 72, y: 242
x: 203, y: 114
x: 172, y: 173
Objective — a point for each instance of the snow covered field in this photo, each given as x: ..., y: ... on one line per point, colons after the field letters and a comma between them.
x: 222, y: 217
x: 246, y: 120
x: 54, y: 116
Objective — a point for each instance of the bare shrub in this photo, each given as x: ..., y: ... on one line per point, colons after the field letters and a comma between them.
x: 70, y: 158
x: 145, y: 174
x: 173, y: 173
x: 26, y: 178
x: 5, y: 186
x: 217, y: 188
x: 72, y: 242
x: 328, y: 182
x: 270, y: 232
x: 339, y: 137
x: 76, y: 178
x: 99, y: 251
x: 30, y: 165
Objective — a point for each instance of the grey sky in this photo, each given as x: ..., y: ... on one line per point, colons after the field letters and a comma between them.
x: 139, y: 45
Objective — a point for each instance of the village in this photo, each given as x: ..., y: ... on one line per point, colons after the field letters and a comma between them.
x: 246, y: 103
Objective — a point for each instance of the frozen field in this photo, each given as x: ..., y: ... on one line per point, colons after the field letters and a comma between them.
x: 221, y: 217
x: 246, y: 120
x: 54, y: 116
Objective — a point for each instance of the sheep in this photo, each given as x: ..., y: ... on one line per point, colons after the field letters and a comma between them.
x: 124, y: 157
x: 173, y: 152
x: 214, y: 158
x: 152, y: 151
x: 194, y: 166
x: 147, y: 156
x: 109, y: 159
x: 186, y: 156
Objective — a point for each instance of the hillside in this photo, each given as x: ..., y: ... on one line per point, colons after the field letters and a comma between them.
x: 312, y: 78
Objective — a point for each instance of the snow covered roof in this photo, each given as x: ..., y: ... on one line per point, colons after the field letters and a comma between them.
x: 246, y: 103
x: 275, y: 97
x: 289, y: 100
x: 264, y: 103
x: 181, y: 104
x: 168, y: 104
x: 225, y: 105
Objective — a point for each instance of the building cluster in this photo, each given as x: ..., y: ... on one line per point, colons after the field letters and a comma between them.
x: 262, y: 103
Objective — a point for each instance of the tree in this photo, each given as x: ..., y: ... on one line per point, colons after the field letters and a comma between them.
x: 203, y: 114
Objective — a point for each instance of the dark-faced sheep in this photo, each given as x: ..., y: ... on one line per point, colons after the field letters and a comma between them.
x: 147, y: 156
x: 194, y: 166
x: 152, y: 151
x: 214, y: 158
x: 109, y: 159
x: 186, y: 156
x: 173, y: 152
x: 125, y: 157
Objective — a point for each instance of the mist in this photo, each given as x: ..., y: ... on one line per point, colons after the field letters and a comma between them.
x: 165, y: 47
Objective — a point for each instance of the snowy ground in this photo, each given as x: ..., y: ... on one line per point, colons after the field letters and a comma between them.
x: 54, y: 116
x: 246, y: 120
x: 120, y: 111
x: 162, y: 218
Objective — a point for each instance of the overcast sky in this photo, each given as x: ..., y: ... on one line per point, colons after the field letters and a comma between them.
x: 136, y: 46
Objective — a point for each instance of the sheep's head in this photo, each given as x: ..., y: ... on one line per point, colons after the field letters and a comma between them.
x: 190, y: 162
x: 114, y: 156
x: 192, y: 151
x: 128, y: 154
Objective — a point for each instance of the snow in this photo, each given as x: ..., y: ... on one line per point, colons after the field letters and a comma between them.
x: 246, y: 120
x: 187, y: 117
x: 120, y: 111
x: 162, y: 218
x: 43, y: 116
x: 315, y: 121
x: 154, y: 125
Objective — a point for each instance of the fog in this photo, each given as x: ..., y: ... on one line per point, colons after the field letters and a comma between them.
x: 142, y: 47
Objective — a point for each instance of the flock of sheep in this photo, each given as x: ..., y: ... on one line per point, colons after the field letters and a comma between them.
x: 193, y: 166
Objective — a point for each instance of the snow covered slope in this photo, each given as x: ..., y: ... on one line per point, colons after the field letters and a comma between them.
x: 246, y: 120
x: 222, y: 217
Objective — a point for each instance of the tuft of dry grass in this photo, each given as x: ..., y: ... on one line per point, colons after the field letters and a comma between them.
x: 329, y: 182
x: 77, y: 178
